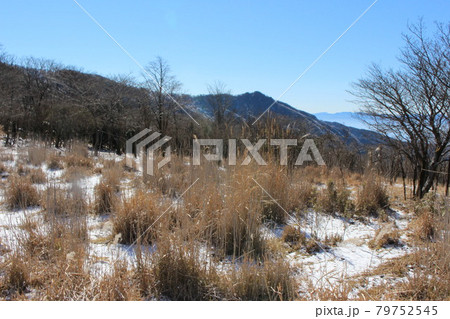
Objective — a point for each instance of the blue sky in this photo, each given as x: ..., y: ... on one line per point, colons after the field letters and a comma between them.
x: 248, y: 45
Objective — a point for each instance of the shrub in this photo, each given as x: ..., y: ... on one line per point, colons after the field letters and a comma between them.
x: 21, y: 194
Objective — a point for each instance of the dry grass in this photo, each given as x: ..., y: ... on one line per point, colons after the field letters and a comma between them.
x: 54, y: 162
x: 64, y: 202
x: 4, y: 157
x: 270, y: 280
x: 294, y: 237
x: 385, y: 236
x: 372, y: 197
x: 236, y: 228
x: 135, y: 218
x: 76, y: 160
x: 423, y: 227
x: 37, y: 176
x: 21, y: 193
x: 37, y: 155
x: 211, y: 244
x: 335, y: 199
x: 180, y: 273
x: 16, y: 276
x: 105, y: 198
x: 3, y: 169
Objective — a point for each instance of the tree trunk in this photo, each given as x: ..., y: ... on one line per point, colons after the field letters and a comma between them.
x: 403, y: 178
x: 447, y: 184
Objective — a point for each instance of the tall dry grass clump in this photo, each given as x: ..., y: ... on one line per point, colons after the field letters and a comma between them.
x: 236, y: 228
x: 3, y: 169
x: 276, y: 183
x: 37, y: 176
x: 21, y: 193
x: 136, y: 217
x: 37, y: 155
x: 105, y: 198
x: 49, y: 260
x: 78, y: 156
x: 372, y: 198
x: 64, y: 202
x: 119, y: 285
x: 267, y: 281
x: 180, y: 273
x: 335, y: 198
x: 15, y: 279
x: 54, y: 162
x: 106, y: 192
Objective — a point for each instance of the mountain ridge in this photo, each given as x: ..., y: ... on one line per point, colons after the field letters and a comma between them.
x: 251, y: 105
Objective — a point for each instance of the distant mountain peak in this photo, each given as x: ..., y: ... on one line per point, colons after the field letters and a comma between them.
x: 251, y: 105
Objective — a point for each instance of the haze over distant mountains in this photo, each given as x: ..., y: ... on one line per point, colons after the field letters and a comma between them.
x: 346, y: 118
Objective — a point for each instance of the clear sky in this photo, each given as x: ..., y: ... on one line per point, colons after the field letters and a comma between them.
x: 249, y: 45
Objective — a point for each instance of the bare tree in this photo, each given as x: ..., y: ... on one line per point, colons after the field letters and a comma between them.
x: 220, y: 102
x: 163, y: 89
x: 410, y: 106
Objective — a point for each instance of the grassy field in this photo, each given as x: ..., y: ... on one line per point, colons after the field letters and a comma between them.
x: 78, y: 227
